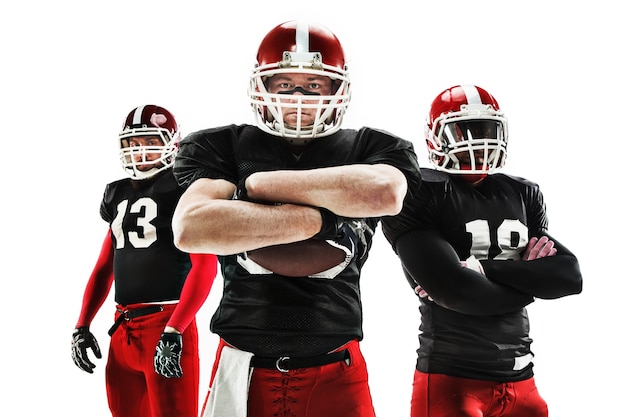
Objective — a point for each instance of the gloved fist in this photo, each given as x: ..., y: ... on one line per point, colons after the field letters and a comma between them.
x: 168, y: 354
x: 351, y: 239
x: 82, y: 339
x: 362, y: 232
x: 330, y: 225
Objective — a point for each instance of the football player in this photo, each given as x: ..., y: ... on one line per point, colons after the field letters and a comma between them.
x: 290, y: 340
x: 475, y: 247
x: 153, y: 367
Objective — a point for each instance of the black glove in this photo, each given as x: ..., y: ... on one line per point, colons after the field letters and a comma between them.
x: 330, y: 225
x: 82, y: 339
x: 167, y: 355
x: 352, y: 239
x: 241, y: 193
x: 362, y: 232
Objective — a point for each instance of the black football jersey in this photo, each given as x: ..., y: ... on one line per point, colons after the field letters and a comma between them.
x: 269, y: 314
x: 478, y: 327
x: 146, y: 264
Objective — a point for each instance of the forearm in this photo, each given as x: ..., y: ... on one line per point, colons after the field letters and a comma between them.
x: 548, y: 278
x: 547, y: 269
x: 194, y: 293
x: 351, y: 190
x: 99, y: 284
x: 431, y: 262
x: 225, y: 227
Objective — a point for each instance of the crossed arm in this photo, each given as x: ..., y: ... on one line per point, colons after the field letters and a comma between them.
x: 431, y: 265
x: 207, y: 220
x: 487, y: 286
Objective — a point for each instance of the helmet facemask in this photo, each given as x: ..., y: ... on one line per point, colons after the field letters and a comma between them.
x: 128, y: 154
x: 269, y: 107
x: 471, y: 142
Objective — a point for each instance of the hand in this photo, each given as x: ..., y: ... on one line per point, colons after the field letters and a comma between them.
x: 421, y: 293
x: 167, y: 355
x: 330, y: 225
x: 351, y: 236
x: 82, y: 339
x: 473, y: 264
x: 351, y: 239
x: 361, y: 230
x: 539, y: 248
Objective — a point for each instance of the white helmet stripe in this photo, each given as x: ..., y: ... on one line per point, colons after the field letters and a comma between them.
x: 137, y: 115
x: 302, y: 37
x: 473, y: 97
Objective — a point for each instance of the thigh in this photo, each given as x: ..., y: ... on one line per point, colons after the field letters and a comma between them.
x: 126, y: 388
x: 528, y: 402
x: 345, y: 385
x: 172, y: 396
x: 436, y: 395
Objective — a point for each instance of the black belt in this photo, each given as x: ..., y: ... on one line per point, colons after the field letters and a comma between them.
x: 131, y: 314
x: 287, y: 363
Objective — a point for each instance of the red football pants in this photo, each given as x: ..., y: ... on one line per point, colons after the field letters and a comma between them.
x: 436, y: 395
x: 335, y: 390
x: 134, y: 389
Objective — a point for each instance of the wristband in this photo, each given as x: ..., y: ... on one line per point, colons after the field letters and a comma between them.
x: 329, y: 227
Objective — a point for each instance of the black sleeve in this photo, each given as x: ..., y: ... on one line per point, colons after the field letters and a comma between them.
x: 548, y: 278
x: 206, y: 154
x: 392, y: 150
x: 429, y: 260
x: 105, y: 213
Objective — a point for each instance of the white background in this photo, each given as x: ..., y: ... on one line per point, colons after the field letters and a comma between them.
x: 70, y: 71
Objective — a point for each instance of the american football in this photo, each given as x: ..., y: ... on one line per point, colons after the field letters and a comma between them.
x: 298, y: 259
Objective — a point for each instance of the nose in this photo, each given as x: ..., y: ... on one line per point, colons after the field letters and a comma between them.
x: 139, y: 155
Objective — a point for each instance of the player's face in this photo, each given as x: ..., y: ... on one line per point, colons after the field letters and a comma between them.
x: 141, y: 157
x: 476, y: 129
x: 465, y: 158
x: 300, y: 84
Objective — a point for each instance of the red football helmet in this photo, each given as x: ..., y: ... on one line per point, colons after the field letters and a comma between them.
x: 148, y: 121
x: 466, y: 133
x: 295, y: 47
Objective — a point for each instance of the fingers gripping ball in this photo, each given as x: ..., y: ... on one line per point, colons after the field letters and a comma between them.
x: 83, y: 339
x: 168, y: 354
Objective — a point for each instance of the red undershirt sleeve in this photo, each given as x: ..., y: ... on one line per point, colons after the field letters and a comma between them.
x: 99, y: 284
x: 195, y: 291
